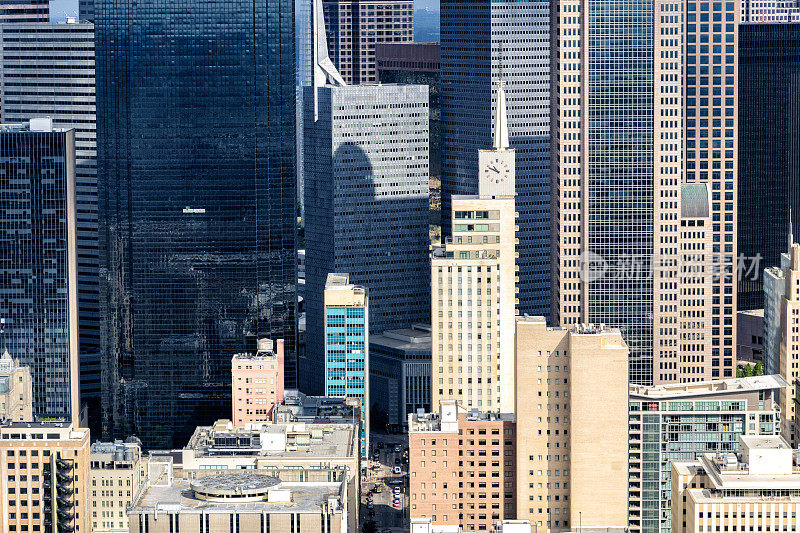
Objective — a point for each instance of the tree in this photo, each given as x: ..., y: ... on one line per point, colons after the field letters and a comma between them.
x: 759, y: 369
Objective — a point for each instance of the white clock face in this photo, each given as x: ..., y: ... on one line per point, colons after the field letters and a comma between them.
x: 497, y: 170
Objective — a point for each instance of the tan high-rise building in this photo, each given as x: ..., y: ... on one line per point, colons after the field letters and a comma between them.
x: 788, y: 324
x: 16, y: 390
x: 44, y: 477
x: 752, y: 490
x: 474, y: 287
x: 654, y: 111
x: 257, y: 383
x: 572, y: 426
x: 462, y: 467
x: 118, y: 469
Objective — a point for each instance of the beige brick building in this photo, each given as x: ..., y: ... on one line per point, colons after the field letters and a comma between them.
x: 16, y: 390
x: 572, y: 426
x: 753, y: 490
x: 118, y: 469
x: 462, y: 467
x: 474, y: 287
x: 257, y: 382
x: 44, y: 477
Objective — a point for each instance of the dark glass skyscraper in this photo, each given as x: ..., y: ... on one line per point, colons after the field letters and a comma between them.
x: 196, y: 148
x: 38, y: 275
x: 769, y: 65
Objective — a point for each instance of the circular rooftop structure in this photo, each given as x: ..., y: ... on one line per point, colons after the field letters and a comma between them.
x: 234, y: 487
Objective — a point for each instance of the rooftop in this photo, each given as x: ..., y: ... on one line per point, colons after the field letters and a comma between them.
x: 694, y: 200
x: 290, y: 440
x: 418, y: 337
x: 705, y: 388
x: 266, y: 350
x: 257, y: 496
x: 446, y: 419
x: 41, y: 431
x: 44, y: 124
x: 763, y: 462
x: 297, y: 407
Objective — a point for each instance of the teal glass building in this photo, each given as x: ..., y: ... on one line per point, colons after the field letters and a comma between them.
x: 347, y: 346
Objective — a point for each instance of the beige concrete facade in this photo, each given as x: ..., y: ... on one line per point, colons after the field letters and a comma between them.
x: 44, y: 477
x: 257, y: 383
x: 754, y: 490
x: 789, y: 361
x: 686, y: 358
x: 462, y: 467
x: 16, y: 390
x: 473, y: 302
x: 250, y: 502
x: 572, y: 430
x: 118, y: 470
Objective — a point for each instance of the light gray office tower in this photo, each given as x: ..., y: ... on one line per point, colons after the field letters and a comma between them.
x: 366, y: 197
x: 48, y: 71
x: 483, y: 41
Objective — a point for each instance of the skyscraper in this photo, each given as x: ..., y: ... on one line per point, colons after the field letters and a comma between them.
x: 781, y: 348
x: 354, y: 27
x: 366, y: 197
x: 418, y: 64
x: 637, y: 114
x: 37, y: 58
x: 347, y: 346
x: 482, y: 42
x: 474, y: 287
x: 25, y: 11
x: 677, y: 423
x: 38, y: 282
x: 196, y: 137
x: 769, y: 162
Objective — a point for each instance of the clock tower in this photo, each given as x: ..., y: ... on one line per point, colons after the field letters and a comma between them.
x: 496, y: 167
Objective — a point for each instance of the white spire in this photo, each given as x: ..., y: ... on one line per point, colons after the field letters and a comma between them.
x: 324, y: 70
x: 500, y: 119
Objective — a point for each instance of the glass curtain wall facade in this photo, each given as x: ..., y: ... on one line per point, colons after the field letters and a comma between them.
x: 366, y: 206
x: 196, y: 155
x: 769, y: 59
x: 619, y: 181
x: 347, y: 352
x: 38, y: 280
x: 36, y: 61
x: 483, y: 42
